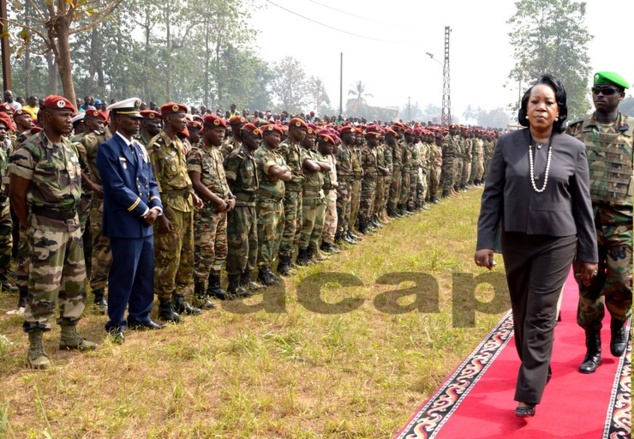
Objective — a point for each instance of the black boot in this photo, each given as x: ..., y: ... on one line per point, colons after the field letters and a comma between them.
x: 246, y: 282
x: 338, y: 238
x: 301, y: 257
x: 215, y: 290
x: 351, y: 235
x: 234, y: 287
x: 266, y: 276
x: 182, y: 307
x: 618, y: 338
x: 348, y: 239
x: 201, y: 299
x: 363, y: 228
x: 592, y: 360
x: 329, y: 248
x: 284, y: 266
x: 22, y: 298
x: 6, y: 285
x: 167, y: 313
x: 100, y: 301
x: 309, y: 256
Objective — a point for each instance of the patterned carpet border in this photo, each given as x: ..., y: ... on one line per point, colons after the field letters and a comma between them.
x: 428, y: 421
x: 618, y: 422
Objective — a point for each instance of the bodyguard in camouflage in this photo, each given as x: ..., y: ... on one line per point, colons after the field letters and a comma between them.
x: 45, y: 192
x: 608, y: 136
x: 368, y: 184
x: 394, y: 197
x: 272, y: 174
x: 174, y: 230
x: 6, y: 224
x: 345, y: 177
x: 242, y: 231
x: 207, y: 173
x: 234, y: 142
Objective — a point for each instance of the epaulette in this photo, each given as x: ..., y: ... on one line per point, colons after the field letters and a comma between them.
x: 575, y: 121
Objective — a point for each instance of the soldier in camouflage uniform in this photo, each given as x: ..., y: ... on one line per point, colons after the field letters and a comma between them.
x: 45, y: 194
x: 391, y: 138
x: 388, y: 161
x: 345, y: 178
x: 370, y: 172
x: 6, y: 224
x: 406, y: 168
x: 272, y: 174
x: 207, y: 173
x: 242, y: 230
x: 379, y: 193
x: 291, y: 150
x: 415, y: 164
x: 357, y: 170
x: 436, y: 167
x: 234, y: 142
x: 477, y: 168
x: 174, y: 230
x: 316, y: 170
x: 608, y: 136
x: 150, y: 126
x: 448, y: 156
x: 466, y: 161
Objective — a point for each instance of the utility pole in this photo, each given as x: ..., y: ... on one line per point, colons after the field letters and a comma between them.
x: 6, y: 54
x: 446, y: 84
x: 341, y: 85
x: 409, y: 108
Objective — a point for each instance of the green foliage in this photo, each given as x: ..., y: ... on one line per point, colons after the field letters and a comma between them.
x: 550, y: 36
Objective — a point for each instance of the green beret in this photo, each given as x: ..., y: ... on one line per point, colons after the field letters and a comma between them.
x: 610, y: 78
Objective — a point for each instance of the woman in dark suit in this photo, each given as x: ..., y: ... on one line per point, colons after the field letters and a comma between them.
x: 536, y: 199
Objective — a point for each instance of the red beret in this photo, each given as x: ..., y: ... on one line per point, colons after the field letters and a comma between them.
x: 237, y: 120
x: 6, y: 120
x: 150, y: 114
x: 251, y: 128
x: 373, y: 134
x: 58, y: 103
x: 97, y: 114
x: 373, y: 129
x: 391, y: 132
x: 21, y: 112
x: 297, y: 122
x: 195, y: 124
x: 173, y: 107
x: 212, y: 120
x: 325, y: 137
x: 312, y: 129
x: 273, y: 128
x: 346, y: 129
x: 6, y: 108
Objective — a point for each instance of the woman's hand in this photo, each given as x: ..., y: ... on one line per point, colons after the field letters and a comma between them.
x: 589, y: 271
x: 484, y: 258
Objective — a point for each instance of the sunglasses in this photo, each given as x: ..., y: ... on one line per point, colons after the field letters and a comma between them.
x: 605, y: 91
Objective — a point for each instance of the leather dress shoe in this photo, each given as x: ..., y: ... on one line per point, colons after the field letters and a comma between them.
x: 117, y: 335
x: 591, y: 361
x: 142, y: 325
x: 524, y: 411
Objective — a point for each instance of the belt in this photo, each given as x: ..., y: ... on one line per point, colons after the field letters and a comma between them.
x: 243, y: 196
x: 177, y: 192
x: 265, y: 194
x: 53, y: 213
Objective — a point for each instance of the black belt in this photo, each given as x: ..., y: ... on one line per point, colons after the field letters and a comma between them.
x: 53, y: 213
x: 177, y: 192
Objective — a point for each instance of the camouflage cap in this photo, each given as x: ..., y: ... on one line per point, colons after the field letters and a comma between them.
x: 610, y: 78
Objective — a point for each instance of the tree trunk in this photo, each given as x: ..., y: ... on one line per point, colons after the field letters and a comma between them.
x: 52, y: 72
x: 63, y: 63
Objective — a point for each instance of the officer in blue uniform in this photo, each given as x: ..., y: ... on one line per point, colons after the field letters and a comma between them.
x: 131, y: 205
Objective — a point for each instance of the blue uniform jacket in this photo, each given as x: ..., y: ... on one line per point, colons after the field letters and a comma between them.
x: 129, y: 189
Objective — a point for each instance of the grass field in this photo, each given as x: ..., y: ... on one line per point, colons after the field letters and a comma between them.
x: 297, y: 366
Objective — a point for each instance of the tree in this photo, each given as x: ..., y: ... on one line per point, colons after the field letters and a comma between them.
x: 318, y: 98
x: 289, y: 85
x: 356, y: 106
x: 497, y: 118
x: 54, y: 22
x: 550, y: 36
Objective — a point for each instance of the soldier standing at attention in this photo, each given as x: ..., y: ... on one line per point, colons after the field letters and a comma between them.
x: 391, y: 138
x: 272, y: 174
x: 357, y: 181
x: 174, y: 230
x: 6, y: 224
x: 292, y: 153
x: 45, y: 190
x: 345, y: 176
x: 370, y: 171
x: 608, y: 136
x: 242, y: 231
x: 233, y: 143
x: 204, y: 165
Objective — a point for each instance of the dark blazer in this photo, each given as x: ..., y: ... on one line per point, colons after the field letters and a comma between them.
x: 129, y: 189
x: 563, y: 209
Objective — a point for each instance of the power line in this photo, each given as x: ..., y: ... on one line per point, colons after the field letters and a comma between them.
x: 332, y: 27
x: 353, y: 15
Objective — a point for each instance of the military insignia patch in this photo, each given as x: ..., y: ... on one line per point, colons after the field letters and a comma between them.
x: 216, y: 122
x: 61, y: 104
x: 175, y: 108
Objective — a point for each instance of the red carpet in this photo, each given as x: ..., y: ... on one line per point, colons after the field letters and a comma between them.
x: 477, y: 400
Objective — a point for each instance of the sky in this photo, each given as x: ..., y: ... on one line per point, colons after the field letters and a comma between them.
x: 386, y: 44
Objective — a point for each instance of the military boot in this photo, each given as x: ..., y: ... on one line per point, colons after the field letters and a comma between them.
x: 592, y: 360
x: 36, y: 357
x: 182, y: 307
x: 338, y: 238
x: 318, y: 256
x: 352, y: 235
x: 348, y: 239
x: 216, y: 290
x: 618, y: 338
x: 70, y: 339
x: 236, y: 289
x: 246, y: 282
x: 266, y: 276
x: 363, y: 228
x: 100, y: 301
x: 302, y: 258
x: 201, y: 299
x: 284, y: 266
x: 327, y: 247
x: 167, y: 313
x: 6, y: 285
x: 22, y: 299
x: 310, y: 256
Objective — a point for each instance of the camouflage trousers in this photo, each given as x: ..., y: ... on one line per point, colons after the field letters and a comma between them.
x: 457, y: 171
x: 210, y: 244
x: 242, y: 240
x: 421, y: 189
x: 379, y: 195
x: 270, y: 216
x: 292, y: 223
x: 405, y: 189
x: 466, y: 172
x: 330, y: 217
x: 174, y: 255
x: 84, y: 215
x: 612, y: 287
x: 479, y: 169
x: 387, y: 184
x: 22, y: 260
x: 413, y: 185
x: 57, y: 271
x: 434, y: 180
x: 6, y: 236
x: 395, y: 190
x: 355, y: 202
x: 447, y: 174
x: 366, y: 207
x: 101, y: 254
x: 313, y: 211
x: 344, y: 200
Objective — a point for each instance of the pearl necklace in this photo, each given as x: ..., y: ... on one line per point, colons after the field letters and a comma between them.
x: 531, y: 167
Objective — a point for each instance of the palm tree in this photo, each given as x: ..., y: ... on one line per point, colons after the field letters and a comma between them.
x: 359, y: 100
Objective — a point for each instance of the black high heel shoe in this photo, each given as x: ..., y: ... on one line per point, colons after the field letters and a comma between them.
x: 524, y: 411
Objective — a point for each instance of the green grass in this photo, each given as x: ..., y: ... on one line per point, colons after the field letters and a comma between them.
x: 284, y: 371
